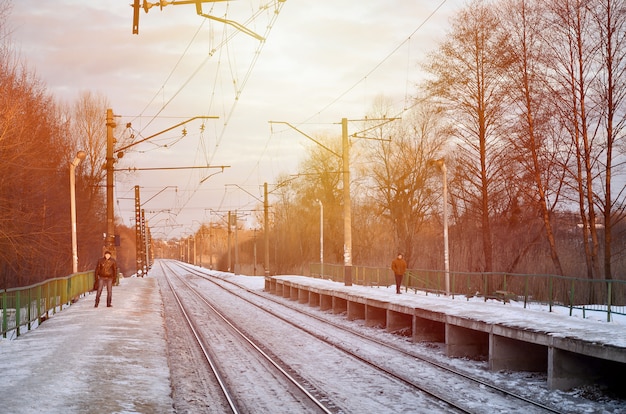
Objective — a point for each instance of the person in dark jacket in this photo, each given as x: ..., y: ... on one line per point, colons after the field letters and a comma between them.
x: 106, y: 272
x: 398, y: 265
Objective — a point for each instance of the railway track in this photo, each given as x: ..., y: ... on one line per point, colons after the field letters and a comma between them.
x: 232, y: 357
x: 452, y: 390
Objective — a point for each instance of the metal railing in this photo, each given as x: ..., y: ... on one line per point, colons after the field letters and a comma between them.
x: 28, y: 306
x: 588, y: 295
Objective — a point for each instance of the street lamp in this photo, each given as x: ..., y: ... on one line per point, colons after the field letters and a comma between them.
x: 79, y: 157
x: 441, y: 163
x: 321, y: 238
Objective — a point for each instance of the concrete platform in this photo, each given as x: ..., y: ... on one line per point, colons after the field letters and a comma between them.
x: 572, y: 351
x: 86, y: 359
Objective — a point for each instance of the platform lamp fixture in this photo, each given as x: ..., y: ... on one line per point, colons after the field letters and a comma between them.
x: 441, y: 164
x: 81, y: 155
x: 321, y: 238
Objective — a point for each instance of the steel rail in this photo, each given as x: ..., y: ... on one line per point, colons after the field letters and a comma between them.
x: 367, y: 338
x: 267, y: 357
x: 200, y: 342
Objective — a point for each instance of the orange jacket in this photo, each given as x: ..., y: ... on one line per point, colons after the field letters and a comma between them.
x: 398, y: 266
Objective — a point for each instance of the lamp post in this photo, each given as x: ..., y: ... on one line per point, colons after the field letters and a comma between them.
x: 200, y: 230
x: 441, y: 163
x: 79, y: 157
x: 321, y: 238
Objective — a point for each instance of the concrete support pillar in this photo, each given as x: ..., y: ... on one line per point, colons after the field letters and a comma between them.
x: 326, y: 302
x: 511, y: 354
x: 314, y: 299
x: 356, y: 311
x: 339, y: 305
x: 465, y: 342
x: 294, y: 293
x: 398, y: 321
x: 375, y: 317
x: 567, y: 370
x: 303, y: 296
x: 426, y: 330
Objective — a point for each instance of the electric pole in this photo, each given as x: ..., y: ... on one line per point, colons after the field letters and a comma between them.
x: 266, y: 230
x: 138, y: 234
x: 347, y: 203
x: 109, y: 243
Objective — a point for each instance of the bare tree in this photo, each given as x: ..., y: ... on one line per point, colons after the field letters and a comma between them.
x: 573, y: 50
x: 88, y: 133
x: 400, y: 173
x: 88, y: 130
x: 532, y: 113
x: 34, y: 225
x: 36, y: 149
x: 467, y: 72
x: 610, y: 20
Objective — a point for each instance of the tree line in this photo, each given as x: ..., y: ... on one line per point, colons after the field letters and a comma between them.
x: 524, y: 101
x: 39, y: 137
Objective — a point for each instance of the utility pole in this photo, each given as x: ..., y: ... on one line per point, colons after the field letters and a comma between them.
x: 347, y: 213
x: 148, y: 247
x: 138, y: 234
x: 254, y: 253
x: 79, y: 157
x: 144, y: 246
x: 266, y: 230
x: 347, y: 209
x: 321, y: 239
x: 265, y: 225
x: 441, y: 164
x: 236, y: 267
x: 109, y: 243
x: 229, y: 235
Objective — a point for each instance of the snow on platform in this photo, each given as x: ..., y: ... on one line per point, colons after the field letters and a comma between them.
x: 572, y: 350
x: 86, y: 359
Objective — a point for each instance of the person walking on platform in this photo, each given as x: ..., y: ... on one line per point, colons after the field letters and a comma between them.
x: 106, y: 272
x: 398, y: 265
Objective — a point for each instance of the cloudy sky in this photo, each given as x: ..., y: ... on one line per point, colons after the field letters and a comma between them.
x: 320, y: 62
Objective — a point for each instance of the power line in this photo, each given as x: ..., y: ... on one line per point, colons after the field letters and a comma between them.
x: 379, y: 64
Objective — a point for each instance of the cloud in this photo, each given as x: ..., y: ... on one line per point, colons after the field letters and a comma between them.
x: 321, y: 61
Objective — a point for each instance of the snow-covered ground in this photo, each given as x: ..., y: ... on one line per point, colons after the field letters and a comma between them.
x: 593, y: 327
x: 114, y: 360
x: 86, y: 359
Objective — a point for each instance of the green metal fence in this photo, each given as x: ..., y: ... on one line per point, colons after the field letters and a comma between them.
x: 588, y: 295
x: 28, y: 306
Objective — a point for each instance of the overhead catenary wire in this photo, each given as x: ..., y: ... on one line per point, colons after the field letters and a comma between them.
x: 379, y: 64
x: 364, y: 79
x: 209, y: 152
x: 238, y: 87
